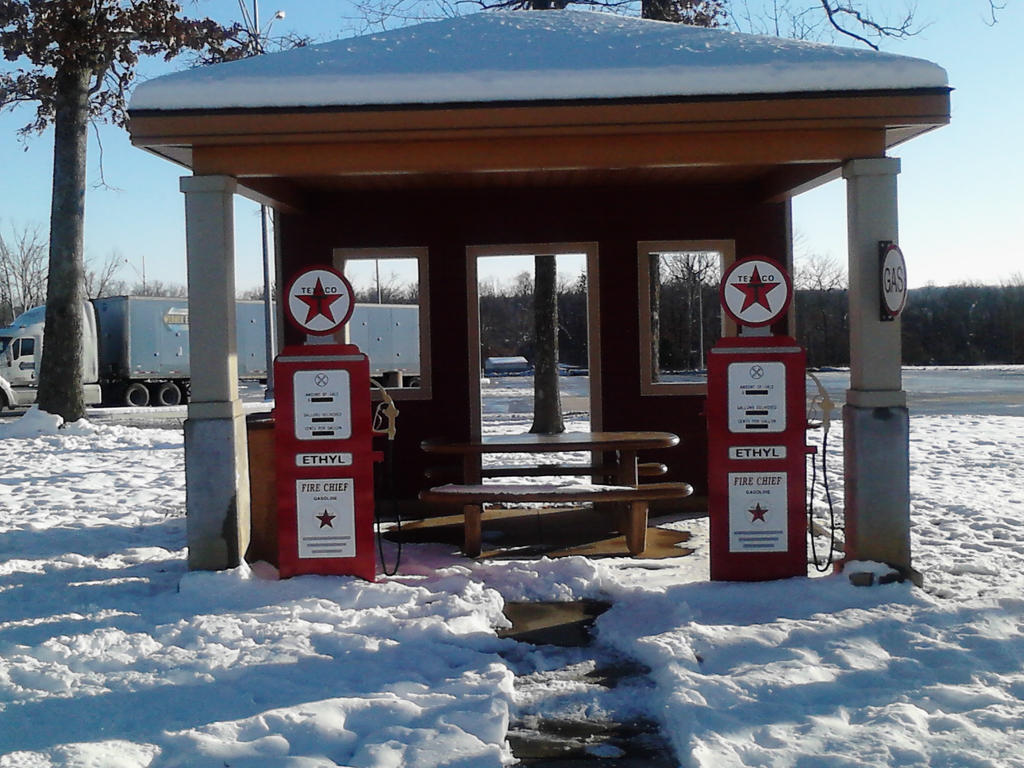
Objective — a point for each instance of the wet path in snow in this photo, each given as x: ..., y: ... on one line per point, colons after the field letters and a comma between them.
x: 576, y: 703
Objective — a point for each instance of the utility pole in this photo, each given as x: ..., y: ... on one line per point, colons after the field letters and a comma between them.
x: 268, y: 271
x: 141, y: 274
x: 700, y: 322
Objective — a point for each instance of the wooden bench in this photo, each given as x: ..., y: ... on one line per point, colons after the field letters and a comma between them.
x: 643, y: 469
x: 472, y: 498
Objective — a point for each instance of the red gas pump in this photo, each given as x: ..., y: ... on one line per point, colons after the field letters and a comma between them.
x: 757, y: 433
x: 323, y: 438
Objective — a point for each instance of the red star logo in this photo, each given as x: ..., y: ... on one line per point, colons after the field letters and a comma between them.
x: 755, y: 291
x: 319, y: 302
x: 325, y: 519
x: 757, y: 512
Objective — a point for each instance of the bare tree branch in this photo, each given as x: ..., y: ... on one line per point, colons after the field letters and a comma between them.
x: 102, y: 281
x: 819, y: 273
x: 23, y: 256
x: 993, y: 9
x: 838, y: 13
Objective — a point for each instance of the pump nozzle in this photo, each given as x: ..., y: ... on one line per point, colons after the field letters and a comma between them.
x: 826, y: 403
x: 385, y: 411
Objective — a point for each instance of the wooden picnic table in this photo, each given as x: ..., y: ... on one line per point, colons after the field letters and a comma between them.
x: 624, y: 445
x: 471, y: 496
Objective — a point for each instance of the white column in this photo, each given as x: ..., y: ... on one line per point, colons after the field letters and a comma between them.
x: 875, y: 350
x: 875, y: 417
x: 216, y: 462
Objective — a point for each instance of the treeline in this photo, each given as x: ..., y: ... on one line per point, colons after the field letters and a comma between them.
x: 966, y: 325
x: 948, y: 325
x: 506, y: 320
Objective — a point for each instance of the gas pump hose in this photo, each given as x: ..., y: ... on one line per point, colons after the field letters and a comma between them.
x: 827, y: 406
x: 386, y: 413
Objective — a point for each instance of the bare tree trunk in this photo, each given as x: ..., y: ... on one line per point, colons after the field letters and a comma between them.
x: 547, y: 401
x: 60, y: 373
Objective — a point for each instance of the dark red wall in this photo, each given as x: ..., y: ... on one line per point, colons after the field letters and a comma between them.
x: 447, y: 221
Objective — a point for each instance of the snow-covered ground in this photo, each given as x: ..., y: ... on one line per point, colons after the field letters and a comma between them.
x: 111, y: 654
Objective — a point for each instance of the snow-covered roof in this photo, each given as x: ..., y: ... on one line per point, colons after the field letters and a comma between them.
x: 533, y: 55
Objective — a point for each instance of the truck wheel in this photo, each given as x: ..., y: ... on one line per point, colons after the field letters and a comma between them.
x: 168, y: 394
x: 136, y: 395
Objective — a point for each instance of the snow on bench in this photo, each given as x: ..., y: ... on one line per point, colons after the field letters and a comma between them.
x: 643, y: 469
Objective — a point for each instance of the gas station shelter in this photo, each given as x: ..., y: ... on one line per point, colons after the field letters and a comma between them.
x: 541, y: 132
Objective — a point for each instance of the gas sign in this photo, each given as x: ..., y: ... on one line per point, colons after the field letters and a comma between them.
x: 892, y: 280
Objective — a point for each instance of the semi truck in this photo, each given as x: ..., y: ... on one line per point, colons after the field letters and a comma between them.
x: 136, y: 348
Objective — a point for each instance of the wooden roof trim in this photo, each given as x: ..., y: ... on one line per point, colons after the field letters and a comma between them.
x: 477, y: 155
x: 912, y: 126
x: 886, y: 109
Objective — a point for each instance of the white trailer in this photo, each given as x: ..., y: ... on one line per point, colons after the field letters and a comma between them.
x: 136, y: 348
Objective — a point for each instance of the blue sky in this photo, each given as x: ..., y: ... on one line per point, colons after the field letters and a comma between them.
x: 959, y: 188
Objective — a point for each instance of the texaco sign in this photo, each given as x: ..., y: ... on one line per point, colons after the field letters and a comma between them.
x: 756, y: 291
x: 319, y: 301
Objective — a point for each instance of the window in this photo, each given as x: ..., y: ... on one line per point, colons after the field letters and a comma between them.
x: 390, y: 319
x: 24, y: 348
x: 680, y: 315
x: 577, y: 269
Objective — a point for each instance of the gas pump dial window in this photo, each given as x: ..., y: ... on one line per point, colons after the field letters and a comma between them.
x: 323, y: 405
x: 757, y: 397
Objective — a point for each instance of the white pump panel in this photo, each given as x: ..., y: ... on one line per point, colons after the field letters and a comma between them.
x: 757, y: 397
